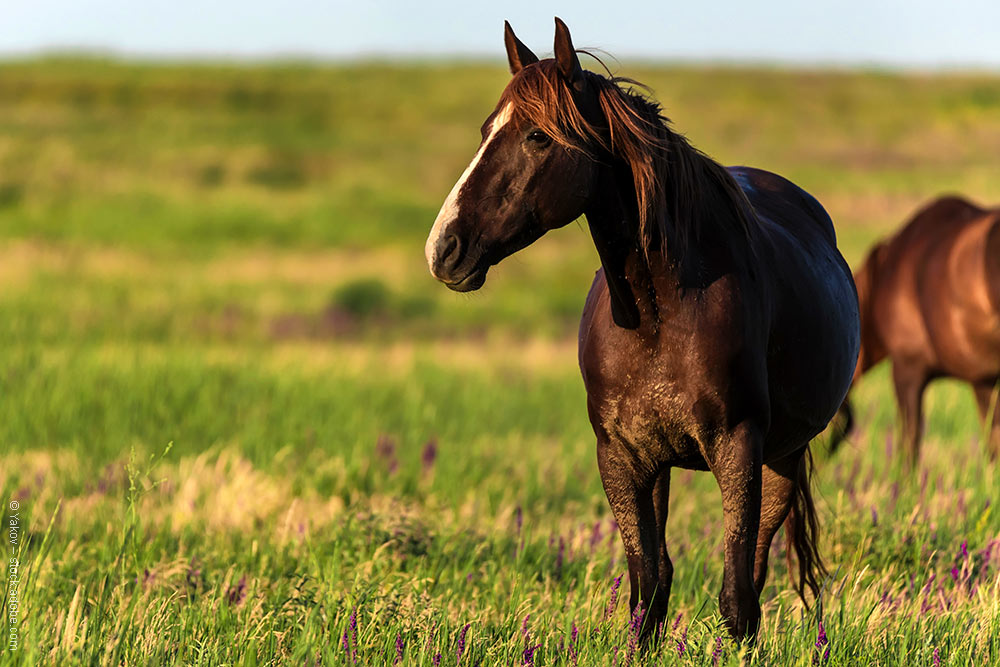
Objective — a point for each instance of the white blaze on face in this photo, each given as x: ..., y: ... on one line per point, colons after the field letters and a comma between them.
x: 449, y: 210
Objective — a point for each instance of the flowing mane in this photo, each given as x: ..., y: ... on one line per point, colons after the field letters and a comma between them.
x: 680, y: 192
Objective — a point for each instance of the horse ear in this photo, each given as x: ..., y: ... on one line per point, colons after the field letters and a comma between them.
x: 519, y: 56
x: 624, y: 307
x: 566, y: 58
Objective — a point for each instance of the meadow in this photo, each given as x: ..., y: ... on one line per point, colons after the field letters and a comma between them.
x: 240, y: 423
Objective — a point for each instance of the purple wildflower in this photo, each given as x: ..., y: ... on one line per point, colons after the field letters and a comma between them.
x: 193, y: 577
x: 717, y: 653
x: 559, y: 558
x: 682, y: 642
x: 236, y: 593
x: 385, y: 448
x: 613, y: 600
x: 519, y: 518
x: 964, y: 549
x: 822, y: 645
x: 937, y: 658
x: 461, y: 643
x: 595, y: 536
x: 954, y: 574
x: 437, y: 659
x: 399, y: 649
x: 930, y: 583
x: 528, y: 657
x: 351, y: 646
x: 573, y: 656
x: 677, y: 621
x: 874, y: 517
x: 430, y: 454
x: 635, y: 627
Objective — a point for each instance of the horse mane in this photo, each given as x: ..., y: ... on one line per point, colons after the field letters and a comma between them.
x: 681, y: 193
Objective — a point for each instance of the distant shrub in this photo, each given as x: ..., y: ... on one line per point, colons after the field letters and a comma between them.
x: 279, y: 175
x: 11, y: 194
x: 211, y: 175
x: 985, y: 97
x: 362, y: 298
x: 416, y: 306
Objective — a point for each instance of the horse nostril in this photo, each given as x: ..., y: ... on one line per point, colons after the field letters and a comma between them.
x: 449, y: 251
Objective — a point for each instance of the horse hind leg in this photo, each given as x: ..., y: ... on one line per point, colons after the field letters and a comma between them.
x: 841, y: 425
x: 988, y: 401
x: 787, y: 497
x: 778, y: 485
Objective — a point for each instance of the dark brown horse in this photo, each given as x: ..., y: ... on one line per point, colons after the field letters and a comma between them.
x: 930, y: 302
x: 720, y: 334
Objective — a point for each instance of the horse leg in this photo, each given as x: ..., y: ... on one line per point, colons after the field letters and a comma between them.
x: 737, y: 469
x: 988, y: 400
x: 661, y: 499
x: 910, y: 381
x: 630, y: 493
x: 778, y: 486
x: 841, y: 425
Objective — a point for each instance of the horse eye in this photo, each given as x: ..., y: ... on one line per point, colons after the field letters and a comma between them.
x: 538, y: 137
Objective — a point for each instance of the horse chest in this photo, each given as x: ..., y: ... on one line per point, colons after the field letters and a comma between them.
x: 651, y: 414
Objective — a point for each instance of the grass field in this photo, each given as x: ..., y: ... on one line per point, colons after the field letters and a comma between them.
x: 240, y: 424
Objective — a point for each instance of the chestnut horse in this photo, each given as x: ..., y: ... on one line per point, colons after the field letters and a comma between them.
x: 720, y: 334
x: 930, y: 302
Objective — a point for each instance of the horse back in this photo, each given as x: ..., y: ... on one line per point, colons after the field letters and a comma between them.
x: 934, y: 297
x: 776, y: 199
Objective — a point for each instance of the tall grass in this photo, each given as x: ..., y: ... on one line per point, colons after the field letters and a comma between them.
x: 243, y: 426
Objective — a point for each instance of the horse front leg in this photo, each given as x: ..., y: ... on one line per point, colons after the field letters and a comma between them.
x: 737, y: 468
x: 661, y: 502
x: 629, y: 489
x: 910, y: 380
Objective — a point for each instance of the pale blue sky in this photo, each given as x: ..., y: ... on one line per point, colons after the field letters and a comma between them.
x: 912, y: 33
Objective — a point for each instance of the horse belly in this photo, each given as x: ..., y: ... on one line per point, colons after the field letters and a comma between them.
x: 965, y: 321
x: 813, y: 353
x: 655, y: 425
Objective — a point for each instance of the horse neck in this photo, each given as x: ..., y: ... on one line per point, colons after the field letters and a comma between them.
x: 614, y: 223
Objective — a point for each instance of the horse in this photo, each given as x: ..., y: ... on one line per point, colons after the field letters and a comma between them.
x: 720, y: 333
x: 930, y: 303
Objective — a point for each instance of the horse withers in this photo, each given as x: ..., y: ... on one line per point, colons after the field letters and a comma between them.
x: 930, y: 303
x: 720, y: 333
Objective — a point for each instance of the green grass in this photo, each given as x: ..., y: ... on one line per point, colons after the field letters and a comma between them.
x: 236, y: 412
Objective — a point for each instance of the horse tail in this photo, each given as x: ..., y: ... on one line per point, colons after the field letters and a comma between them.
x: 841, y: 425
x: 802, y: 533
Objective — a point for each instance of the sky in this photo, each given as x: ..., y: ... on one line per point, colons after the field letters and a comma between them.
x: 892, y: 33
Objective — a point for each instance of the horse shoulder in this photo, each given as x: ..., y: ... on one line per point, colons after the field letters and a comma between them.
x: 598, y: 288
